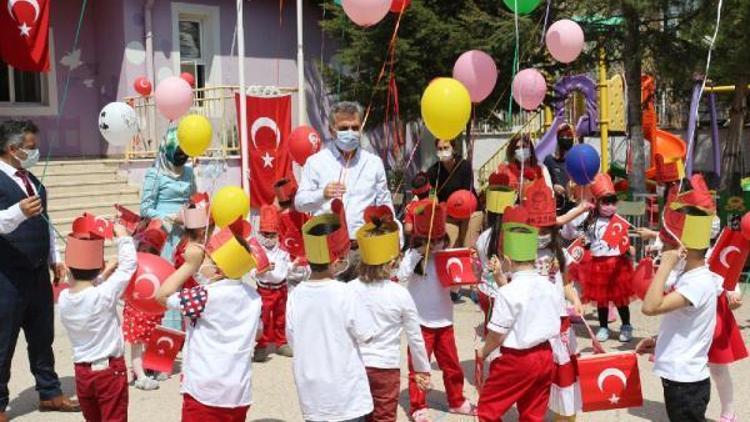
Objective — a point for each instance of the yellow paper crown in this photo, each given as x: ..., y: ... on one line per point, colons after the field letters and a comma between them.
x: 696, y: 233
x: 378, y: 249
x: 317, y: 249
x: 233, y: 259
x: 498, y: 199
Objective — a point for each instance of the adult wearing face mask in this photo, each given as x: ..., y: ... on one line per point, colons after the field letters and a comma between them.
x: 520, y: 155
x: 167, y: 187
x: 556, y: 165
x: 343, y: 169
x: 27, y: 252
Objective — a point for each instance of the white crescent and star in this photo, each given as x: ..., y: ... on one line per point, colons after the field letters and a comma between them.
x: 149, y: 278
x: 267, y: 160
x: 725, y: 253
x: 287, y: 240
x: 455, y: 261
x: 262, y: 122
x: 167, y: 340
x: 617, y: 226
x: 611, y: 372
x: 24, y: 28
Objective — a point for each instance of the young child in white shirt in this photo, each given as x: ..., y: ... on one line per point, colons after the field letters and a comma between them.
x: 224, y: 316
x: 393, y: 312
x: 89, y: 314
x: 435, y: 310
x: 325, y: 325
x: 525, y: 316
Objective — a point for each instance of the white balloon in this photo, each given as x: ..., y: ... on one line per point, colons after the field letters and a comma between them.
x: 118, y: 123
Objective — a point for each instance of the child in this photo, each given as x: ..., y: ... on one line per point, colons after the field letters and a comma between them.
x: 271, y: 285
x: 606, y: 271
x: 89, y: 315
x: 526, y: 315
x: 420, y: 188
x: 434, y: 308
x: 393, y: 310
x: 688, y: 306
x: 325, y: 325
x: 290, y: 231
x: 197, y: 222
x: 224, y: 316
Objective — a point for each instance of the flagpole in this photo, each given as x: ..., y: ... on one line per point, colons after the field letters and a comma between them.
x: 301, y: 106
x: 244, y: 171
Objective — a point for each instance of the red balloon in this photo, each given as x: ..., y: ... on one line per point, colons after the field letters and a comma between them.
x: 745, y: 226
x: 189, y: 78
x: 150, y: 275
x: 398, y: 5
x: 142, y: 86
x: 462, y: 204
x: 304, y: 141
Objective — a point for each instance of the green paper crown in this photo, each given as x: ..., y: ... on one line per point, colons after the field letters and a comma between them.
x: 520, y: 241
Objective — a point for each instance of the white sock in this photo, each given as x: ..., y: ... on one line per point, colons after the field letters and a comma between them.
x: 723, y: 380
x: 136, y: 360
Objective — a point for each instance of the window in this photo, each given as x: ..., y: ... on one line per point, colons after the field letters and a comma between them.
x: 195, y: 40
x: 27, y: 93
x: 192, y: 60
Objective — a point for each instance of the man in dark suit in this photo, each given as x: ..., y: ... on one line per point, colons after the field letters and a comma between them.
x: 27, y: 253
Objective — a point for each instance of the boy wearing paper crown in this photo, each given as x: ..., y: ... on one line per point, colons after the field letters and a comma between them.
x: 393, y: 310
x: 272, y: 287
x: 434, y: 309
x: 325, y: 325
x: 525, y: 316
x: 224, y: 321
x: 606, y: 270
x: 688, y: 305
x: 88, y: 311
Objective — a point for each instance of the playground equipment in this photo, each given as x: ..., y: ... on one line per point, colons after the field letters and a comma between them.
x: 668, y: 147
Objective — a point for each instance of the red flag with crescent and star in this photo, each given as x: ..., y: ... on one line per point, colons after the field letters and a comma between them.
x: 162, y: 349
x: 24, y: 34
x: 729, y: 256
x: 610, y: 381
x: 269, y: 121
x: 455, y: 267
x: 616, y: 233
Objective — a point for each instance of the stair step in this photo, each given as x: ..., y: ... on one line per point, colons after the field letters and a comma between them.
x: 82, y: 176
x: 58, y: 167
x: 60, y: 187
x: 66, y: 213
x: 113, y: 194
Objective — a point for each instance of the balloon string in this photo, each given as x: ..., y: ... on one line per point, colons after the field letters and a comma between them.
x: 546, y: 19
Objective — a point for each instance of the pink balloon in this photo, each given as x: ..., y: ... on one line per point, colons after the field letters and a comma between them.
x: 477, y: 71
x: 173, y: 97
x: 565, y: 40
x: 529, y: 88
x: 366, y: 12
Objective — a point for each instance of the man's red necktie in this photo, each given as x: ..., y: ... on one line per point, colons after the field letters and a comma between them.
x: 25, y: 177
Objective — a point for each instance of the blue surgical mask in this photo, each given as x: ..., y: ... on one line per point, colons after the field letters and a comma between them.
x: 347, y: 140
x: 32, y: 157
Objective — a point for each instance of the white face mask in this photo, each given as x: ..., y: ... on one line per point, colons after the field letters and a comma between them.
x: 445, y: 154
x: 347, y: 140
x: 523, y: 154
x: 267, y: 242
x: 32, y: 157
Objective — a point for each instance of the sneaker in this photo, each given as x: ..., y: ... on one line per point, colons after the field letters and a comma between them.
x: 465, y: 409
x: 162, y: 376
x: 626, y: 333
x: 421, y: 415
x: 729, y: 418
x: 146, y: 384
x: 602, y: 334
x: 285, y: 350
x: 260, y: 355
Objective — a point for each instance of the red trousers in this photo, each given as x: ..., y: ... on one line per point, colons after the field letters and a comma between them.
x: 195, y: 411
x: 521, y: 377
x: 384, y: 387
x: 442, y: 342
x: 103, y: 394
x: 273, y: 315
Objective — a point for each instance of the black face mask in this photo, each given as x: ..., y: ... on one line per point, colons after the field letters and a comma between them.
x: 565, y: 144
x: 180, y: 158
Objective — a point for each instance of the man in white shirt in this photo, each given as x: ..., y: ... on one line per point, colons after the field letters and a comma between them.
x: 343, y: 169
x: 27, y: 252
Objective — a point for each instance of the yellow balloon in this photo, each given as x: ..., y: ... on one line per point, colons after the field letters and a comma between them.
x: 446, y: 108
x: 194, y: 134
x: 228, y: 205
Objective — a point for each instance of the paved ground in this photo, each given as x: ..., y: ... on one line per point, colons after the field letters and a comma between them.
x: 275, y: 396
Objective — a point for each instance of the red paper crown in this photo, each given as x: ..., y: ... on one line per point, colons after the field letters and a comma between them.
x: 84, y: 253
x: 602, y: 186
x: 699, y: 196
x: 326, y: 249
x: 378, y: 214
x: 539, y: 202
x: 503, y: 177
x: 90, y: 226
x: 269, y: 219
x: 423, y: 216
x: 285, y: 190
x: 153, y: 235
x: 517, y: 214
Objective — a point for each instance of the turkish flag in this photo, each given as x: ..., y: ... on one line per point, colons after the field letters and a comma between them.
x: 729, y: 256
x: 643, y: 276
x: 610, y: 381
x: 269, y: 121
x: 290, y: 232
x: 615, y: 231
x: 261, y: 259
x: 455, y: 267
x: 576, y: 250
x: 162, y: 349
x: 24, y: 34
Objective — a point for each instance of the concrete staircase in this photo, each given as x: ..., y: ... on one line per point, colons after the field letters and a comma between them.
x: 93, y: 186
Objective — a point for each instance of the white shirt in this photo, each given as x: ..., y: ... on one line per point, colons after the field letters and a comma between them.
x: 597, y: 246
x: 685, y: 335
x: 90, y: 315
x: 545, y: 259
x: 433, y: 301
x: 393, y: 311
x: 280, y: 259
x: 364, y: 178
x: 527, y: 311
x: 325, y: 322
x: 217, y: 357
x: 12, y: 217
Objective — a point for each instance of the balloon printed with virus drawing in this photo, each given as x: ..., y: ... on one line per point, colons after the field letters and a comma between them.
x: 118, y: 123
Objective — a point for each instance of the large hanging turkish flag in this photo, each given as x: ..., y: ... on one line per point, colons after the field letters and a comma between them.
x: 729, y: 256
x: 24, y: 34
x: 269, y: 121
x: 610, y: 381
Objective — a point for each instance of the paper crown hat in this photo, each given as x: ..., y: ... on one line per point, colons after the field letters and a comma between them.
x: 84, y: 248
x: 269, y: 219
x: 326, y: 237
x: 153, y: 235
x: 425, y: 225
x: 230, y: 253
x: 378, y: 239
x: 285, y: 190
x: 89, y: 225
x: 194, y: 217
x: 539, y: 202
x: 519, y: 238
x: 420, y: 184
x: 693, y: 231
x: 501, y: 192
x: 668, y: 171
x: 602, y: 186
x: 503, y: 177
